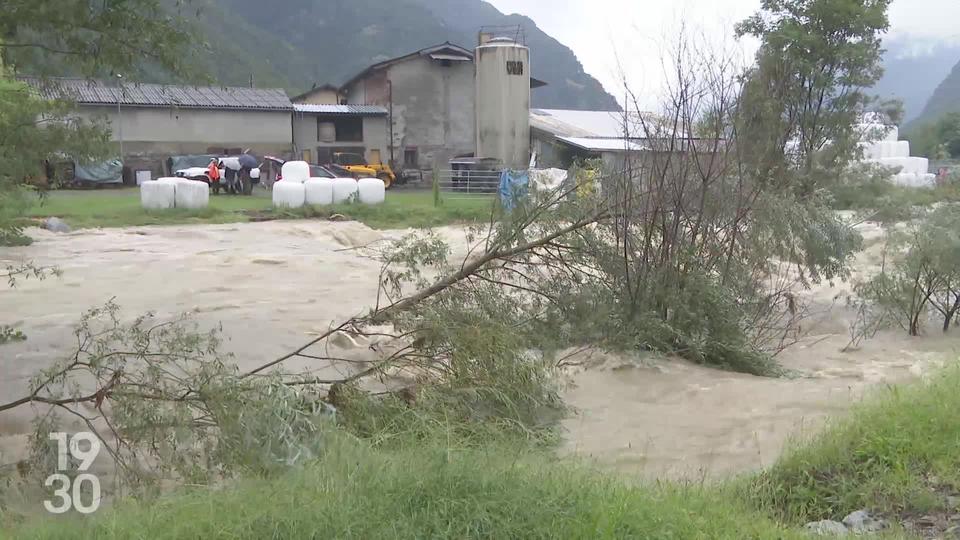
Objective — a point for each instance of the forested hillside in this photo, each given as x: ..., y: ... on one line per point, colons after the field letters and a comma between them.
x: 298, y: 43
x: 912, y: 71
x: 945, y: 99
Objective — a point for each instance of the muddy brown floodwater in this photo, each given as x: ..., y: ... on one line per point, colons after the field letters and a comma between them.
x: 274, y: 285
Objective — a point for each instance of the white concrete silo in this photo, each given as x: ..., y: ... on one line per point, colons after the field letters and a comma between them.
x: 503, y: 102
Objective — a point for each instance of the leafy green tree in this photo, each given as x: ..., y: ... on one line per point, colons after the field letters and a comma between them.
x: 938, y: 140
x: 33, y: 131
x: 93, y: 38
x: 921, y: 279
x: 805, y: 96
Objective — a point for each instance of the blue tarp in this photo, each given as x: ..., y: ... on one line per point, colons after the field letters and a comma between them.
x: 513, y: 186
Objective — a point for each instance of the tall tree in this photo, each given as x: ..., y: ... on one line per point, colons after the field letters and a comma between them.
x: 806, y: 94
x: 96, y: 36
x: 92, y: 37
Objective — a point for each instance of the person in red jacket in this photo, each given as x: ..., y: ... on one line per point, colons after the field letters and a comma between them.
x: 213, y: 173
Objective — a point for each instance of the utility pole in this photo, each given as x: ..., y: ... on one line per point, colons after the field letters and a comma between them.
x: 120, y: 115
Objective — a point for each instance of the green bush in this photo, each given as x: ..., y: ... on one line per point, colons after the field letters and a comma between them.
x: 896, y: 454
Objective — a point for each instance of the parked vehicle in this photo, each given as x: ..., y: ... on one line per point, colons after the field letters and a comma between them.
x: 196, y: 168
x: 316, y: 171
x: 358, y: 167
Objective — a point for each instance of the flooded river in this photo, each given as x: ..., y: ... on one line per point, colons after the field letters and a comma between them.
x: 275, y: 285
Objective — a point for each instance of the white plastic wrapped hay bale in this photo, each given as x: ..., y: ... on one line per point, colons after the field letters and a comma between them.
x: 372, y: 190
x: 318, y: 191
x: 896, y: 163
x: 192, y: 195
x: 928, y: 180
x: 157, y: 195
x: 905, y: 179
x: 295, y: 171
x: 344, y: 189
x: 893, y: 134
x: 883, y: 150
x: 896, y: 150
x: 288, y: 194
x: 901, y: 149
x: 911, y: 165
x: 872, y: 150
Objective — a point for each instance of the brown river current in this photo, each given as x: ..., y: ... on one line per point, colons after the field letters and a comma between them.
x: 273, y: 285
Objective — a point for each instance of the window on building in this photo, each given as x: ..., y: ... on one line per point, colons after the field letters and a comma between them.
x: 410, y: 157
x: 326, y: 130
x: 349, y: 129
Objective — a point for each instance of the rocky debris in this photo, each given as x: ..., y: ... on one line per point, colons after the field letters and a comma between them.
x: 826, y: 528
x: 945, y: 525
x: 857, y: 523
x: 861, y: 522
x: 56, y: 225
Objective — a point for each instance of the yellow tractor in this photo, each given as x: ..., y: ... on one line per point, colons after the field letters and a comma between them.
x: 357, y: 166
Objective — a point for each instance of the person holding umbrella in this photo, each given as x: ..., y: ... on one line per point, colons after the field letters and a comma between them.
x: 231, y: 169
x: 247, y: 164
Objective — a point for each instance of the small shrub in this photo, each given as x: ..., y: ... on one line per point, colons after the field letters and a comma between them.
x: 922, y: 276
x: 8, y: 334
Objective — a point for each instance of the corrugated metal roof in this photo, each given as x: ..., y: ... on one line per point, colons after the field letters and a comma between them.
x: 567, y: 123
x: 452, y: 57
x: 370, y: 110
x: 603, y: 144
x: 92, y: 92
x: 443, y: 48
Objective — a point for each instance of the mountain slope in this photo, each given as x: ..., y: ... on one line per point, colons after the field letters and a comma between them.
x: 945, y: 99
x: 328, y: 41
x: 569, y: 86
x: 912, y: 72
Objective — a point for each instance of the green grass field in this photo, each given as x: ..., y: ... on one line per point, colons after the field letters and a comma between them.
x: 898, y: 454
x: 121, y: 208
x: 429, y: 492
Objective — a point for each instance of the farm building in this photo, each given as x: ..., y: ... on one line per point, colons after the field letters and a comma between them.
x: 559, y: 137
x: 153, y: 121
x: 430, y: 96
x: 321, y: 130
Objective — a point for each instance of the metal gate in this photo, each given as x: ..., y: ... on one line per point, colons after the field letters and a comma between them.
x: 452, y: 184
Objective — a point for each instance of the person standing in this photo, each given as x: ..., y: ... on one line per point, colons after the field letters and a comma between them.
x: 247, y: 164
x: 213, y: 174
x: 231, y: 172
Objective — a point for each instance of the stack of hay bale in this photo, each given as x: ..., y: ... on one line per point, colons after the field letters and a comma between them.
x: 290, y: 192
x: 297, y: 188
x: 167, y: 193
x: 891, y: 152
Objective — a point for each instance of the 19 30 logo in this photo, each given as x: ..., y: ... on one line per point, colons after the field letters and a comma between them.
x: 70, y: 491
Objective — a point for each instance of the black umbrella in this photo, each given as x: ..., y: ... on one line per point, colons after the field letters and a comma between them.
x: 248, y: 161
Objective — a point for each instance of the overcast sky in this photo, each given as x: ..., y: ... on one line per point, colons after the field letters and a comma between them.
x: 602, y: 31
